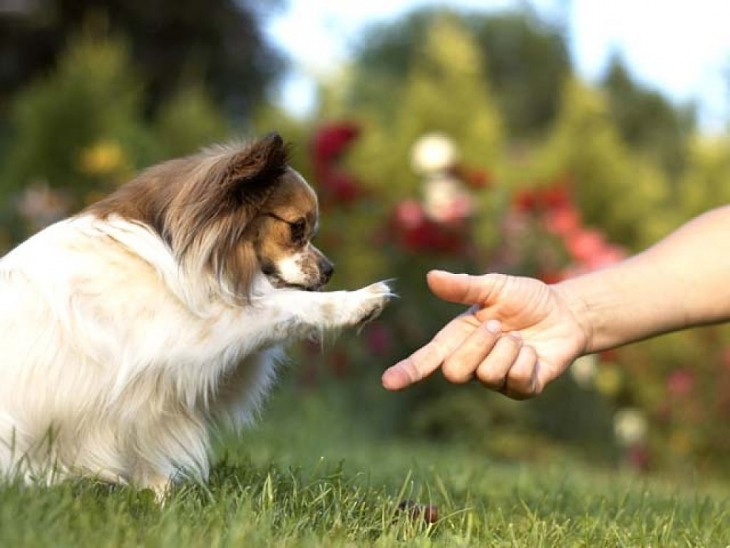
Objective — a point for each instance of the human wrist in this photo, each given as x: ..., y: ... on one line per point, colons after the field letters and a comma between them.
x: 581, y: 312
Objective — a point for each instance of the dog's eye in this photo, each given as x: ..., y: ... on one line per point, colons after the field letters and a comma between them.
x: 297, y: 230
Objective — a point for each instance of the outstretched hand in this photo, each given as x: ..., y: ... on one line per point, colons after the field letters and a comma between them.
x: 518, y: 335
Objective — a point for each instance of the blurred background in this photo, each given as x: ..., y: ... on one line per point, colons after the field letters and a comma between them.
x: 535, y: 138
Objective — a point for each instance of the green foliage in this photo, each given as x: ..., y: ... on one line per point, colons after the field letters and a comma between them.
x: 622, y: 155
x: 499, y: 86
x: 80, y: 131
x: 91, y: 97
x: 704, y: 183
x: 189, y: 120
x: 524, y: 59
x: 219, y: 42
x: 445, y: 91
x: 528, y: 62
x: 620, y: 192
x: 647, y: 121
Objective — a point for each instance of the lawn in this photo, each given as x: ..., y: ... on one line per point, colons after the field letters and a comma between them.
x: 307, y: 476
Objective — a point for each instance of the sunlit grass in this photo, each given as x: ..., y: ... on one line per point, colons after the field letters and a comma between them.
x: 306, y: 477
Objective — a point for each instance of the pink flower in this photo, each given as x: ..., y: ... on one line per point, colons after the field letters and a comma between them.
x: 680, y: 382
x: 409, y: 214
x: 458, y: 209
x: 584, y: 245
x: 606, y: 256
x: 562, y: 221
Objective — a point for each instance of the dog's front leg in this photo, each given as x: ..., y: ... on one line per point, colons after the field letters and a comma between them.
x: 309, y: 313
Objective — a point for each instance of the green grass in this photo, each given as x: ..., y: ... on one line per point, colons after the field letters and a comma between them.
x: 307, y: 477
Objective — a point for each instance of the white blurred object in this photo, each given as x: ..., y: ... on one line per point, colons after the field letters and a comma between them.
x: 433, y: 153
x: 445, y: 198
x: 584, y: 370
x: 630, y: 426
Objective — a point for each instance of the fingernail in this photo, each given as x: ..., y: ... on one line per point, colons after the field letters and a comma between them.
x: 515, y: 335
x: 493, y: 326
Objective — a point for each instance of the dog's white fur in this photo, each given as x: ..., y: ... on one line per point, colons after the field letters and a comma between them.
x: 117, y: 359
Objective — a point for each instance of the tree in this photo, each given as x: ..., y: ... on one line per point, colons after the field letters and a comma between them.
x: 616, y: 190
x: 524, y: 59
x: 646, y: 120
x: 528, y: 63
x: 445, y: 91
x: 91, y: 99
x: 704, y: 184
x: 218, y: 42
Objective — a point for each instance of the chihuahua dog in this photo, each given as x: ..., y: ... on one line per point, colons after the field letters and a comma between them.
x: 131, y: 331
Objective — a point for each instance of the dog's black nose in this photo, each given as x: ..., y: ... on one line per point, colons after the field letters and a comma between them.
x: 326, y: 269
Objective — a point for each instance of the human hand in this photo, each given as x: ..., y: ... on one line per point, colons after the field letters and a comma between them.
x: 518, y: 335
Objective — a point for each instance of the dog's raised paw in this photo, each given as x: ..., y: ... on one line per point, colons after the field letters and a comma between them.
x: 374, y: 298
x: 381, y: 289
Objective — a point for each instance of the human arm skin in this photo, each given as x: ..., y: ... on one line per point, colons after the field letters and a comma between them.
x: 520, y: 333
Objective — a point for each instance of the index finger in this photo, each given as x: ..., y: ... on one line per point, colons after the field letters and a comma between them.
x: 428, y: 358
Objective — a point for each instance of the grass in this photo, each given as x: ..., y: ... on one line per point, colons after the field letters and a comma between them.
x: 307, y: 477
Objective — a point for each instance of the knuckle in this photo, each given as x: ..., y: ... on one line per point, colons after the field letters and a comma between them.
x: 456, y: 371
x: 489, y: 378
x: 521, y: 378
x: 513, y: 340
x: 412, y: 371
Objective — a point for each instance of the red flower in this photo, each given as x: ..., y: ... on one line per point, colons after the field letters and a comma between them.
x: 414, y: 231
x: 331, y: 140
x: 340, y: 187
x: 536, y: 199
x: 476, y: 178
x: 526, y: 201
x: 556, y: 197
x: 329, y: 143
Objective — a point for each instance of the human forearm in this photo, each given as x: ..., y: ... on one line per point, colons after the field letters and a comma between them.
x: 682, y: 281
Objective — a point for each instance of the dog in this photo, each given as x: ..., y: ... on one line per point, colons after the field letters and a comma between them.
x: 133, y: 330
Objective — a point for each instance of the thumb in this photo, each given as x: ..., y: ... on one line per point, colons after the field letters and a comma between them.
x: 460, y: 288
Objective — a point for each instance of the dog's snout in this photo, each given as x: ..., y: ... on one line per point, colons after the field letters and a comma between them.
x: 326, y: 269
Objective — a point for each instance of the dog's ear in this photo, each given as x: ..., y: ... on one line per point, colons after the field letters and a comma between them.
x: 252, y: 173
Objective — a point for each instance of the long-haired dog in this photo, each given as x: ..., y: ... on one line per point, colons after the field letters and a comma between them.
x: 130, y: 331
